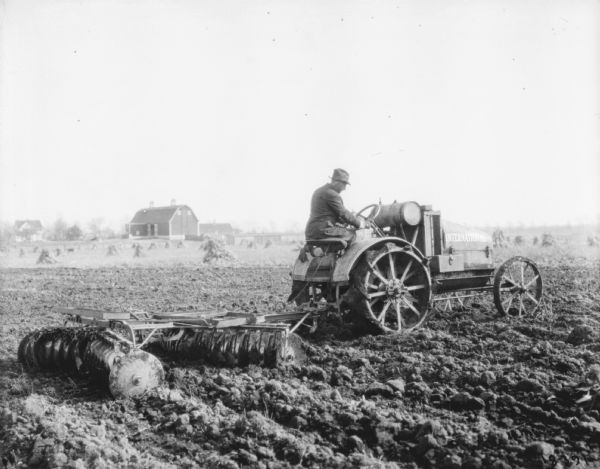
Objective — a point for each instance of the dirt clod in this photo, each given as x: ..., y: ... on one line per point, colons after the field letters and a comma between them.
x: 464, y: 401
x: 581, y: 335
x: 539, y: 449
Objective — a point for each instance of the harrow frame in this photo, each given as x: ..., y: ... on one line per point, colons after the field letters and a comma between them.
x: 142, y: 327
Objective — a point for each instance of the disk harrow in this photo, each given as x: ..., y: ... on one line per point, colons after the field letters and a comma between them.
x: 126, y: 372
x: 108, y: 345
x: 237, y: 346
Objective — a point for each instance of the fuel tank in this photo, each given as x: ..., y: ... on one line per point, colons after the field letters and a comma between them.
x: 398, y: 213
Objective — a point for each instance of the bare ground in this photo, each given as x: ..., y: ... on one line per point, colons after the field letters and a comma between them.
x: 468, y: 390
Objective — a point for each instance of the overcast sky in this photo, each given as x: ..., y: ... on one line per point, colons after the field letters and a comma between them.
x: 489, y: 110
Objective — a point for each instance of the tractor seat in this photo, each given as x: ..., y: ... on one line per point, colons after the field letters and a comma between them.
x: 335, y: 244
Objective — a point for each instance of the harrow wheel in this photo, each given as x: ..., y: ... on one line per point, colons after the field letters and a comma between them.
x: 394, y: 291
x: 517, y: 287
x: 134, y: 374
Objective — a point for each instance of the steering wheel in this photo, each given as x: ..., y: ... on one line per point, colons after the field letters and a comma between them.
x: 373, y: 214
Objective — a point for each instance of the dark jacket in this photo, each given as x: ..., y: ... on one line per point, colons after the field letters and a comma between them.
x: 327, y: 209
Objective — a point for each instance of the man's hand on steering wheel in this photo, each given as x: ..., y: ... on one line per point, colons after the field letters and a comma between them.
x: 367, y: 220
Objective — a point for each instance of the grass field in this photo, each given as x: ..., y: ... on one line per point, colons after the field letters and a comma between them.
x: 569, y: 243
x: 94, y: 254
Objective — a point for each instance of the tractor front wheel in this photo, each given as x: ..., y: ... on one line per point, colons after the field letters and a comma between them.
x: 391, y: 291
x: 517, y: 287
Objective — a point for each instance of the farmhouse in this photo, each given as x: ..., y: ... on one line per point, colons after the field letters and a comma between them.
x: 28, y: 230
x: 172, y: 222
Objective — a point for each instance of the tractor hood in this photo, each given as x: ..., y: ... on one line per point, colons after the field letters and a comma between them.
x: 463, y: 238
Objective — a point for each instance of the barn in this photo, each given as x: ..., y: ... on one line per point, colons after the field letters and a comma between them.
x: 171, y: 222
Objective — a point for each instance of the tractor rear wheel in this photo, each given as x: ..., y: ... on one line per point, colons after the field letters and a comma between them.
x: 517, y: 287
x: 390, y: 291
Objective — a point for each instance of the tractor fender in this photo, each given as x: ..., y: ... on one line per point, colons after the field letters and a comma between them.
x: 346, y: 263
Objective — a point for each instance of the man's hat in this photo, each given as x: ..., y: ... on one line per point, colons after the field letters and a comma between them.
x: 341, y: 175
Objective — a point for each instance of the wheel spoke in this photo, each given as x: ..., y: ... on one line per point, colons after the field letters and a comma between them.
x: 509, y: 270
x: 383, y: 311
x: 381, y: 275
x: 403, y: 278
x: 392, y: 268
x: 411, y: 306
x: 510, y: 280
x: 377, y: 273
x: 409, y: 276
x: 415, y: 287
x: 377, y: 294
x: 532, y: 298
x: 510, y: 300
x: 410, y: 298
x: 375, y: 301
x: 520, y: 304
x: 534, y: 279
x: 372, y: 285
x: 398, y: 315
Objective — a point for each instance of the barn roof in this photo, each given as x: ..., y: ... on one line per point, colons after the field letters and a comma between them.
x: 156, y: 214
x: 34, y: 225
x: 215, y: 228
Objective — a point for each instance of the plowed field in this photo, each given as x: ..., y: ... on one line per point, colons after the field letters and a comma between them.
x: 468, y: 390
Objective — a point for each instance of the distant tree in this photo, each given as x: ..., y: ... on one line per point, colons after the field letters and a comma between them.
x: 73, y: 233
x: 109, y: 233
x: 58, y: 232
x: 95, y: 226
x: 6, y: 236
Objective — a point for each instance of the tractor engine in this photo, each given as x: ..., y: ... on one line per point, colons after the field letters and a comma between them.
x: 450, y: 247
x: 409, y: 220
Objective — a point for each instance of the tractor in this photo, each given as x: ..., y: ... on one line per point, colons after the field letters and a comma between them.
x: 386, y: 278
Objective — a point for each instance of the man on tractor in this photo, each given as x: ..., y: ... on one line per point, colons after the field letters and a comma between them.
x: 328, y: 216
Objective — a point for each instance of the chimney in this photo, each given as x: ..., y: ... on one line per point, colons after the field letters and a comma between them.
x: 173, y: 202
x: 151, y: 204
